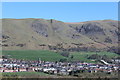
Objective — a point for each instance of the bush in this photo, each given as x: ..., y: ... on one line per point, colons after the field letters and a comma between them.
x: 63, y: 60
x: 65, y: 53
x: 95, y: 56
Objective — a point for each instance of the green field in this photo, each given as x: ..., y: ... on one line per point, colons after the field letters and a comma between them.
x: 53, y: 56
x: 34, y: 55
x: 44, y: 75
x: 84, y: 55
x: 25, y: 74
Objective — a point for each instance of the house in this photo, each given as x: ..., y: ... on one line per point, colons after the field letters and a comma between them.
x: 22, y: 70
x: 63, y: 72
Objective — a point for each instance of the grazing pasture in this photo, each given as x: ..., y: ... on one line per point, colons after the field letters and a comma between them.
x: 46, y: 55
x: 84, y: 55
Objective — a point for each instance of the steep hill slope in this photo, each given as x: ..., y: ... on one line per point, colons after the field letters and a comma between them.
x: 54, y: 35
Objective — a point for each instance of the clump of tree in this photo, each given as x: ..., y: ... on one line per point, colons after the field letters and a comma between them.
x: 4, y: 57
x: 117, y: 57
x: 94, y: 56
x: 65, y: 53
x: 71, y: 57
x: 63, y: 60
x: 114, y: 49
x: 108, y: 40
x: 99, y: 57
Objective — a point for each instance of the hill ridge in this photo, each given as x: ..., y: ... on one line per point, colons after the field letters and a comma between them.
x: 32, y: 33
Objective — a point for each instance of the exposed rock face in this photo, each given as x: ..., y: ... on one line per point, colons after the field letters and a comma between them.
x: 40, y: 28
x: 34, y: 33
x: 91, y: 29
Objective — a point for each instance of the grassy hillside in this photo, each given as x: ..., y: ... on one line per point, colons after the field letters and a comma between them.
x: 29, y: 34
